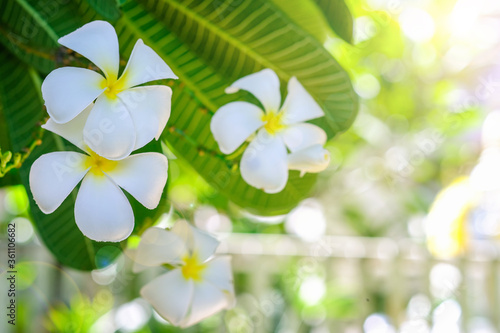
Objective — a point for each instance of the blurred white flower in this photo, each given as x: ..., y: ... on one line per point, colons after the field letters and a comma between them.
x: 102, y: 211
x: 446, y: 223
x: 199, y: 284
x: 485, y: 177
x: 266, y: 161
x: 123, y: 118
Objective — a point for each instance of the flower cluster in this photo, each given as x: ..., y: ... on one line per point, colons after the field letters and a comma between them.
x: 198, y: 283
x: 284, y: 141
x: 107, y: 117
x: 123, y: 118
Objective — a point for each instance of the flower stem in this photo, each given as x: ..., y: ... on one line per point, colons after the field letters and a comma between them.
x: 9, y: 161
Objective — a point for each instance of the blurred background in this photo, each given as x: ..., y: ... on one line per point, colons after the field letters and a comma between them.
x: 400, y: 235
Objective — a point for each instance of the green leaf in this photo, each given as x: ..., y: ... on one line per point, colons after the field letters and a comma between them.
x: 26, y: 34
x: 320, y: 17
x: 12, y: 177
x: 22, y: 107
x: 106, y: 8
x: 307, y: 15
x: 338, y: 16
x: 30, y: 28
x: 211, y: 44
x: 237, y: 38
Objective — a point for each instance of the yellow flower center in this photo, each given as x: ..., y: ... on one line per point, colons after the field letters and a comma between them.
x: 273, y: 122
x: 192, y: 268
x: 98, y: 164
x: 113, y: 87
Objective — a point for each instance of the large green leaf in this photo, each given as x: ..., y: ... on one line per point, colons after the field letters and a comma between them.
x: 237, y: 38
x: 58, y: 230
x: 24, y: 32
x: 307, y: 15
x: 338, y: 16
x: 12, y: 177
x: 106, y: 8
x: 211, y: 44
x: 30, y: 28
x: 320, y: 17
x: 21, y: 104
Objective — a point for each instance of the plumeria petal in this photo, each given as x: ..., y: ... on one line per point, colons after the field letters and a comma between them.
x: 311, y: 159
x: 195, y: 289
x: 69, y: 90
x: 53, y: 176
x: 218, y: 273
x: 299, y: 106
x: 149, y: 108
x: 300, y: 136
x: 485, y: 176
x: 143, y: 176
x: 73, y: 129
x: 207, y: 300
x: 265, y: 85
x: 170, y: 294
x: 233, y: 123
x: 185, y: 232
x: 97, y: 41
x: 102, y: 211
x: 157, y: 247
x: 264, y: 163
x: 109, y: 130
x: 204, y: 244
x: 193, y: 240
x: 196, y: 241
x: 144, y: 65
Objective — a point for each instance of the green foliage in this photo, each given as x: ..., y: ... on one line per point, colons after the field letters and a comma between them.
x: 320, y: 17
x: 108, y: 9
x: 232, y: 47
x: 307, y: 15
x: 30, y: 29
x: 10, y: 161
x: 21, y: 112
x: 338, y: 16
x: 80, y: 315
x: 210, y: 46
x: 20, y: 102
x: 27, y: 35
x: 22, y: 106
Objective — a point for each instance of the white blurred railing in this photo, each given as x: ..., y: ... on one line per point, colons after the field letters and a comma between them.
x: 400, y: 269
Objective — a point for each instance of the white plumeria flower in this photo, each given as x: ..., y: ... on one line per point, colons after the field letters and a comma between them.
x: 102, y: 211
x: 283, y: 141
x: 198, y: 286
x: 123, y: 118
